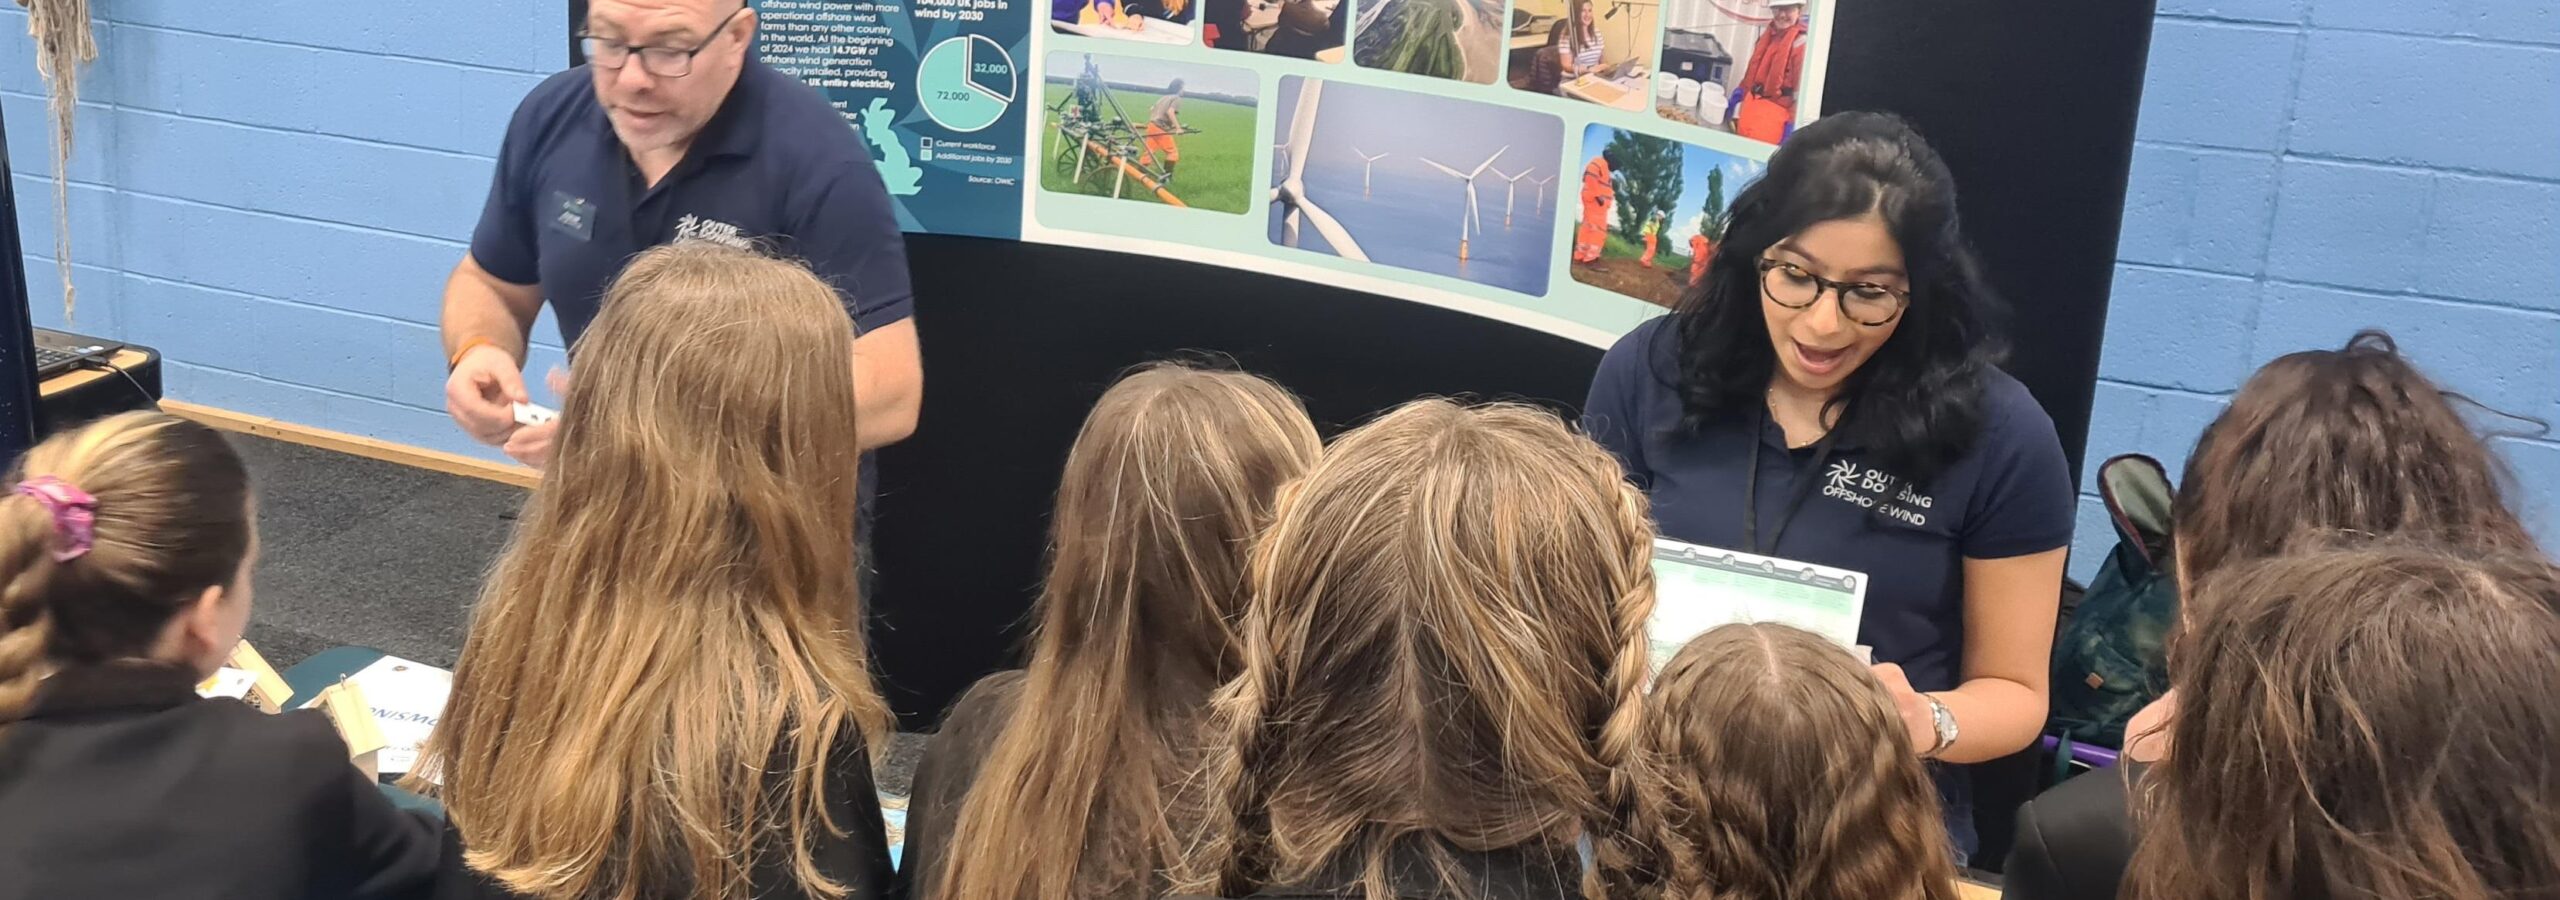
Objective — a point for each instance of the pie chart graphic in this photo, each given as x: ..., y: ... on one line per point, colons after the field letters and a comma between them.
x: 966, y: 83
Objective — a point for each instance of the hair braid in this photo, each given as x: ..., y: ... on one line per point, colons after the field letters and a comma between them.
x: 1215, y: 862
x: 1221, y: 856
x: 1623, y: 857
x: 26, y: 628
x: 26, y: 619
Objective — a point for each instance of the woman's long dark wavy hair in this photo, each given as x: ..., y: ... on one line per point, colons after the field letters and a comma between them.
x: 1917, y: 404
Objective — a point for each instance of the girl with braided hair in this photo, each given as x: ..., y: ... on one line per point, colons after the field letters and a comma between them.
x: 1062, y: 780
x: 125, y: 551
x: 1816, y: 794
x: 1443, y: 671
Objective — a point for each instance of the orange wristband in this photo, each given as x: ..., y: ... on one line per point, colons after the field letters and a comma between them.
x: 455, y: 361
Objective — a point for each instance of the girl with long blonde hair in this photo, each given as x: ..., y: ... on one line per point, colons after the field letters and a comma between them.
x: 1788, y: 776
x: 1059, y: 781
x: 1443, y: 672
x: 665, y: 691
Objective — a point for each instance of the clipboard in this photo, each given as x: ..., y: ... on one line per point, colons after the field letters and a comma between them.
x: 1698, y: 588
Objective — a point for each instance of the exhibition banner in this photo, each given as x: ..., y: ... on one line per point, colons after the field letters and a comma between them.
x: 1566, y: 165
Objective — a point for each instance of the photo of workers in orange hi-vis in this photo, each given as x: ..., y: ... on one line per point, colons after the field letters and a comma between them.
x: 1599, y: 193
x: 1653, y: 210
x: 1164, y: 121
x: 1740, y: 66
x: 1764, y: 105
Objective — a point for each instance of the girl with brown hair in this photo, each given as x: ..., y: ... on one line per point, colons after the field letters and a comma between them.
x: 1444, y: 665
x: 2381, y: 726
x: 1060, y: 781
x: 665, y: 691
x: 127, y: 547
x: 1787, y: 774
x: 2328, y: 442
x: 2317, y: 446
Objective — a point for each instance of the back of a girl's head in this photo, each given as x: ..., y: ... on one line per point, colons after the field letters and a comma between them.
x: 2353, y: 441
x: 1170, y: 480
x: 1445, y: 650
x: 706, y: 441
x: 716, y: 366
x: 1173, y: 475
x: 701, y: 495
x: 1788, y: 774
x: 2370, y: 721
x: 107, y: 532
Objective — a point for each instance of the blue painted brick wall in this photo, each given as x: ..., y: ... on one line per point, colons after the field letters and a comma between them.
x: 2305, y: 168
x: 273, y: 193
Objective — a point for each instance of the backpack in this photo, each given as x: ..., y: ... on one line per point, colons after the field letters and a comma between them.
x: 2108, y: 658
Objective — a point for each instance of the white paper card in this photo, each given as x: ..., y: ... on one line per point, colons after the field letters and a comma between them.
x: 228, y: 683
x: 1698, y: 588
x: 407, y: 699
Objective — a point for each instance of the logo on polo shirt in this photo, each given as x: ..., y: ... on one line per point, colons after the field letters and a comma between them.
x: 1872, y: 488
x: 696, y: 228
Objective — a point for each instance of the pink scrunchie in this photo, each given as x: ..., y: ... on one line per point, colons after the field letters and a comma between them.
x: 75, y: 514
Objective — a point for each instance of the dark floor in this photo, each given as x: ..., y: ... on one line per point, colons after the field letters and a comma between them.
x: 375, y: 554
x: 357, y: 551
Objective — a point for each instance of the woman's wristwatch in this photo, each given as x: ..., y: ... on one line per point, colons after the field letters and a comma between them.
x: 1946, y: 722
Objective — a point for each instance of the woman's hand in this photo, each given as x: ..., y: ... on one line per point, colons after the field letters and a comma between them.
x: 1918, y: 720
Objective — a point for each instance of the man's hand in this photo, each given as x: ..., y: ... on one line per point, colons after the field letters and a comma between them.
x: 481, y: 393
x: 531, y: 444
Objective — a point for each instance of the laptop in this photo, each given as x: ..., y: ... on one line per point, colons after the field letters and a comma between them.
x: 61, y: 351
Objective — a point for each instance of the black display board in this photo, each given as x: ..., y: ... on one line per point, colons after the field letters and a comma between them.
x: 17, y: 333
x: 2031, y: 103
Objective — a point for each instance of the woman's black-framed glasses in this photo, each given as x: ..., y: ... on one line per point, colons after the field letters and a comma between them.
x: 664, y: 62
x: 1864, y: 302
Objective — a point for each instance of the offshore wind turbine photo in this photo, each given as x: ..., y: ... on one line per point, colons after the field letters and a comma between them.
x: 1510, y: 192
x: 1365, y: 173
x: 1368, y: 167
x: 1292, y: 190
x: 1469, y: 223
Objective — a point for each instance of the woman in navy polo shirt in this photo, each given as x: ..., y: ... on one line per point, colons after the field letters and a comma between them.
x: 1828, y: 394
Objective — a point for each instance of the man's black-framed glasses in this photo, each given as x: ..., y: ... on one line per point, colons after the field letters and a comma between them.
x: 664, y: 62
x: 1864, y: 302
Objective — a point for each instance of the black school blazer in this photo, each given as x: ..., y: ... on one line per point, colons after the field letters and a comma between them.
x: 119, y: 782
x: 2075, y: 840
x: 859, y: 859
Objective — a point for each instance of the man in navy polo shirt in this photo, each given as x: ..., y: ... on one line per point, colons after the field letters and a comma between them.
x: 672, y: 132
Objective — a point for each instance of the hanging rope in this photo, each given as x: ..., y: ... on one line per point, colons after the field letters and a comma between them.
x: 63, y: 45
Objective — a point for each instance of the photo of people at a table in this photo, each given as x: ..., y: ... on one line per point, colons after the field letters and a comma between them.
x: 1300, y: 29
x: 1597, y: 51
x: 1148, y: 21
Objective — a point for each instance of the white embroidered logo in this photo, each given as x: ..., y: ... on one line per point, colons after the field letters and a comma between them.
x: 1867, y: 485
x: 691, y: 227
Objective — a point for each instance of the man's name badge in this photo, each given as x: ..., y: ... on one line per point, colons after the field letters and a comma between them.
x: 575, y: 216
